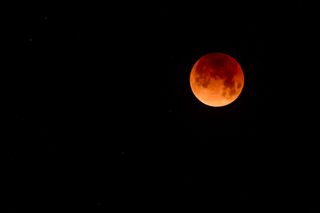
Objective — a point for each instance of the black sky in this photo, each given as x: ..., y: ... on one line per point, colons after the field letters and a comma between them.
x: 102, y: 115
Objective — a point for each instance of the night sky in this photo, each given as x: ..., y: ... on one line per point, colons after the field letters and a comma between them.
x: 102, y: 117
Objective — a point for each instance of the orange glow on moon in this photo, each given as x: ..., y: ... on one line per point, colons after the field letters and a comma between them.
x: 216, y: 79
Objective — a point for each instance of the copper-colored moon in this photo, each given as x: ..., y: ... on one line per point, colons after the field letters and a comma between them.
x: 216, y: 79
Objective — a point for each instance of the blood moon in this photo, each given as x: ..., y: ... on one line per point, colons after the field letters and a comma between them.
x: 216, y: 79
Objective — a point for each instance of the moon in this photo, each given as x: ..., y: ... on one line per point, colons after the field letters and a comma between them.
x: 216, y: 79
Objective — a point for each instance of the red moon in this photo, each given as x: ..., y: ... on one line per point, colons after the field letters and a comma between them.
x: 216, y: 79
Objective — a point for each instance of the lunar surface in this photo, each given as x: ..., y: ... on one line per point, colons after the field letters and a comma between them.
x: 216, y: 79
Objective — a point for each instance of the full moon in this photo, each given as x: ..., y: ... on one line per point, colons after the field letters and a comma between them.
x: 216, y: 79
